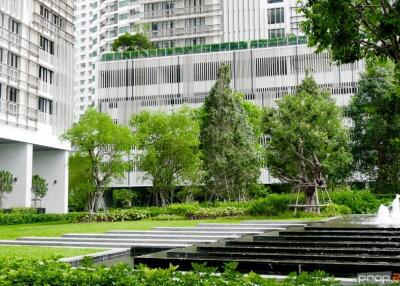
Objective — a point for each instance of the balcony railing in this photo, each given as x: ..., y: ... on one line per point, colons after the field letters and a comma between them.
x: 10, y: 73
x: 202, y: 49
x: 182, y: 31
x: 44, y: 118
x: 46, y: 57
x: 18, y: 114
x: 46, y: 87
x: 185, y: 11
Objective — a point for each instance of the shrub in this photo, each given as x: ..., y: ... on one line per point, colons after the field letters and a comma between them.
x: 334, y: 210
x: 360, y: 202
x: 123, y: 197
x: 34, y: 272
x: 207, y: 213
x: 182, y: 209
x: 167, y: 217
x: 274, y: 204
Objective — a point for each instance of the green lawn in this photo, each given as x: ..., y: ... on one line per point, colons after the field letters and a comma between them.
x: 42, y: 252
x: 58, y: 229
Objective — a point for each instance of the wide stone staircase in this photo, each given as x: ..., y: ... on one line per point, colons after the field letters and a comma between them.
x: 343, y: 252
x: 156, y: 239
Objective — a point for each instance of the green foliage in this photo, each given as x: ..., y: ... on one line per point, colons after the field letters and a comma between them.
x: 335, y: 210
x: 102, y: 145
x: 6, y: 185
x: 360, y: 202
x: 35, y: 272
x: 273, y: 204
x: 375, y: 132
x: 80, y: 184
x: 123, y: 197
x: 308, y: 143
x: 129, y: 43
x: 169, y: 153
x: 39, y: 187
x: 350, y: 30
x: 111, y: 216
x: 228, y: 143
x: 182, y: 209
x: 208, y: 213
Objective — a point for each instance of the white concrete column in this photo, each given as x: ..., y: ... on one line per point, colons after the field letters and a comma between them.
x: 17, y: 158
x: 52, y: 165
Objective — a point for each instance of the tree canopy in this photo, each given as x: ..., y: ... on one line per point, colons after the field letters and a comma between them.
x: 353, y: 29
x: 307, y: 146
x: 39, y: 187
x: 169, y: 150
x: 105, y: 145
x: 375, y: 131
x: 228, y: 143
x: 128, y: 43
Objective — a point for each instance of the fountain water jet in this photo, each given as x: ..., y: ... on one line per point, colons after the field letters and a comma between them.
x: 389, y: 214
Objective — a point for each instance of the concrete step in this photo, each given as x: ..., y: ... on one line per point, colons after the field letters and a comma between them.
x: 268, y: 222
x: 93, y: 244
x: 150, y: 236
x: 253, y: 225
x: 225, y: 229
x: 116, y: 240
x: 184, y: 232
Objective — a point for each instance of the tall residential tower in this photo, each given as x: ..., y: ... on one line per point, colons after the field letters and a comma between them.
x: 36, y: 97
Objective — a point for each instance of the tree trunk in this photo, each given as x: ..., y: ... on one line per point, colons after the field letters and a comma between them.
x: 309, y: 199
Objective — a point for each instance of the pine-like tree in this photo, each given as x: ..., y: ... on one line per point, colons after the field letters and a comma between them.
x: 227, y: 142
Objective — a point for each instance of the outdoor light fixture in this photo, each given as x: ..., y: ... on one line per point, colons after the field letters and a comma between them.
x: 15, y: 179
x: 55, y: 182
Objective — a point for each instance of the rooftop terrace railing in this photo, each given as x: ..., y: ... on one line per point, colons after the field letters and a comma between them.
x: 201, y: 49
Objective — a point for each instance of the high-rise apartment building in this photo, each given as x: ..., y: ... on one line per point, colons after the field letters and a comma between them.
x: 36, y: 97
x: 172, y: 23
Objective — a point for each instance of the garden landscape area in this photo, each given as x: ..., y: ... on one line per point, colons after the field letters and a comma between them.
x: 201, y: 212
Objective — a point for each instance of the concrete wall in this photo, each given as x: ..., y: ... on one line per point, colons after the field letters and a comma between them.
x: 53, y: 167
x: 17, y: 158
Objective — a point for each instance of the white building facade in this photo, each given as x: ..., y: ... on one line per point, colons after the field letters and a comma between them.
x: 171, y: 23
x: 36, y: 102
x: 264, y: 71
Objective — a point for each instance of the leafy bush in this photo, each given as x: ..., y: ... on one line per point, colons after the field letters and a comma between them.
x: 123, y: 197
x: 334, y: 210
x: 207, y: 213
x: 167, y: 217
x: 274, y: 204
x: 33, y: 272
x: 182, y: 209
x: 360, y: 202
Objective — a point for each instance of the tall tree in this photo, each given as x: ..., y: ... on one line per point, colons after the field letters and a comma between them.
x: 169, y: 150
x: 228, y: 143
x: 128, y: 43
x: 105, y: 146
x: 375, y: 131
x: 353, y: 29
x: 6, y: 185
x: 307, y: 146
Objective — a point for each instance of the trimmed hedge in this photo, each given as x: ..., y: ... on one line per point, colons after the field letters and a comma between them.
x: 111, y: 216
x: 208, y: 213
x: 32, y: 272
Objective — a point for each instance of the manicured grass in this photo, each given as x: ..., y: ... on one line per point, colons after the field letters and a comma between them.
x: 42, y: 252
x: 60, y: 228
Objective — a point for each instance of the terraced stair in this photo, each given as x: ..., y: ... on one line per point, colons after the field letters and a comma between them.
x: 343, y: 252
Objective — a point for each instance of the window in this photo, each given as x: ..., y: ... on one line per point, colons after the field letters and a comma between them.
x: 45, y: 105
x: 276, y: 16
x: 12, y: 94
x: 122, y: 30
x: 123, y: 3
x: 274, y: 1
x: 47, y: 45
x: 44, y: 12
x: 124, y: 16
x: 46, y: 75
x: 14, y: 26
x: 276, y: 33
x: 197, y: 22
x: 12, y: 60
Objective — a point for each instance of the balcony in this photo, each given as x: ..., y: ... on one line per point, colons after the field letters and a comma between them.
x: 10, y: 73
x: 176, y: 32
x: 185, y: 11
x: 45, y: 118
x: 46, y: 88
x: 46, y: 57
x: 18, y: 114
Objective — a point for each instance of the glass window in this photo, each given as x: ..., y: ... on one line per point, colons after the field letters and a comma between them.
x: 276, y: 33
x: 276, y: 15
